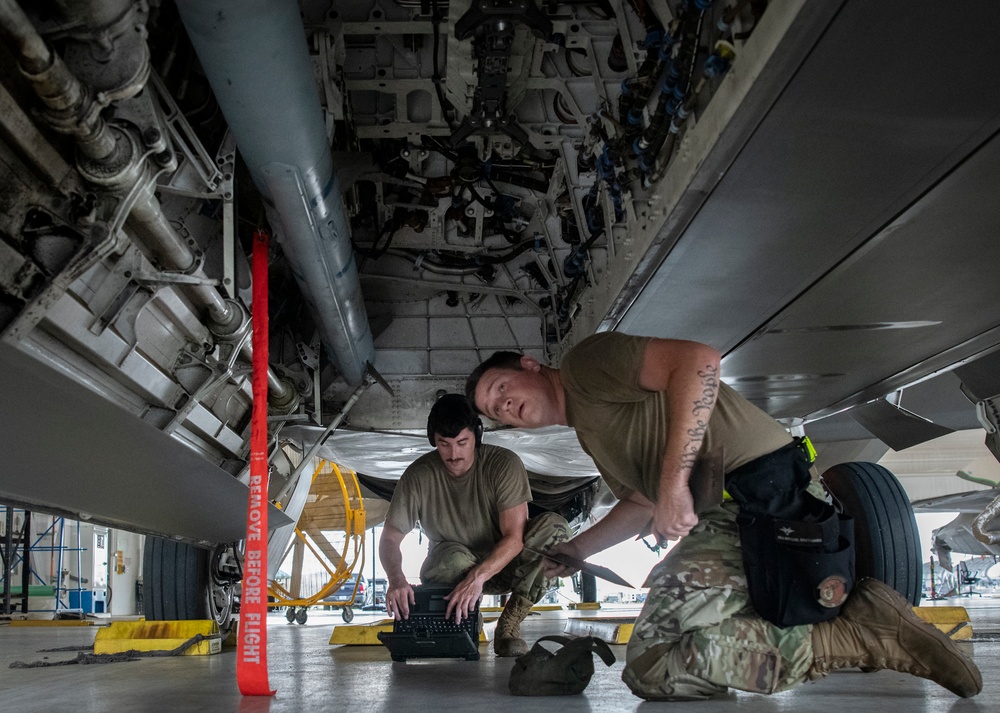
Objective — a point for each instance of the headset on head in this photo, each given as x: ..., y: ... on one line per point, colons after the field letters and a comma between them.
x: 457, y: 401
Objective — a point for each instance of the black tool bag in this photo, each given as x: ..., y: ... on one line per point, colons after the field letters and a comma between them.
x: 563, y: 672
x: 798, y: 552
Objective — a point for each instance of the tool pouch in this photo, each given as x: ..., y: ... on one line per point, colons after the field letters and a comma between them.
x: 563, y: 672
x: 798, y: 551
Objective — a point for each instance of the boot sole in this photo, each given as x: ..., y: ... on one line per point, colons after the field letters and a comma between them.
x: 880, y: 590
x: 511, y: 649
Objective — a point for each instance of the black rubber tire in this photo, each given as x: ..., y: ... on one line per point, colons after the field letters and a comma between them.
x: 290, y: 615
x: 302, y: 615
x: 174, y: 581
x: 588, y: 587
x: 887, y: 542
x: 347, y: 614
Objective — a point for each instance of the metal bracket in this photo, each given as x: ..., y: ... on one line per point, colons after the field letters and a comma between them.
x: 379, y: 378
x: 491, y: 22
x: 171, y: 278
x: 197, y: 160
x: 988, y: 414
x: 226, y: 160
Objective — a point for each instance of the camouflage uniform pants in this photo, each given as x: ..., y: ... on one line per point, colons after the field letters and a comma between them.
x: 697, y: 634
x: 449, y: 562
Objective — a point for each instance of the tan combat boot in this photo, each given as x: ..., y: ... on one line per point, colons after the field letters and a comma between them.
x: 507, y: 640
x: 877, y: 630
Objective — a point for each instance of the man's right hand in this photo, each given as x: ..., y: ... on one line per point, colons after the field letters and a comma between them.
x: 555, y: 569
x: 398, y: 599
x: 673, y: 515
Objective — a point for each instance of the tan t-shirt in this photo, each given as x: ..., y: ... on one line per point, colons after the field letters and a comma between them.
x: 465, y: 509
x: 624, y: 427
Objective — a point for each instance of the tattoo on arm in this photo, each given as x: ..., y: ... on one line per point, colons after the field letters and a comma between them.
x: 709, y: 389
x: 690, y: 452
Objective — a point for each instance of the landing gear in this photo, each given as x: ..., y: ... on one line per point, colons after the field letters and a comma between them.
x: 182, y: 582
x: 585, y: 586
x: 588, y: 587
x: 887, y: 543
x: 224, y: 575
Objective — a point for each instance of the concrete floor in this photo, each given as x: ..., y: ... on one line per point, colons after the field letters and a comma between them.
x: 311, y: 675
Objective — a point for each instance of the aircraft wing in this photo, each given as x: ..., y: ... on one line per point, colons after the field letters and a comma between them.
x: 973, y: 501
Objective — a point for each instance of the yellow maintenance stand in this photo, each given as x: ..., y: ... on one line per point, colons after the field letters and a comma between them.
x: 335, y: 505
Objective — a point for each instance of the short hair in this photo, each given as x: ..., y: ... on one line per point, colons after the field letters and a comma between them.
x: 449, y: 415
x: 499, y: 360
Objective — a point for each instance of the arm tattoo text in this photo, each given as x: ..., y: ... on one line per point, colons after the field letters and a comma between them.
x: 709, y: 389
x: 702, y: 406
x: 690, y: 452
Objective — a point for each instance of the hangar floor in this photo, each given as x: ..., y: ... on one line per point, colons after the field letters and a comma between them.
x: 311, y: 675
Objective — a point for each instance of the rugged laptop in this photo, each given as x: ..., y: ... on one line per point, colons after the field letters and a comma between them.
x: 427, y: 634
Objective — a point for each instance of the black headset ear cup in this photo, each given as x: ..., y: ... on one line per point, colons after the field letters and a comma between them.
x: 478, y: 430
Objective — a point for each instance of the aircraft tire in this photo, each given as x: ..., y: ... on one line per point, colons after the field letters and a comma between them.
x: 174, y: 580
x: 887, y: 542
x: 588, y: 587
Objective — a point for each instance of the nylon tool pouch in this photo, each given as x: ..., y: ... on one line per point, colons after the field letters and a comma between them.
x: 563, y: 672
x: 798, y: 551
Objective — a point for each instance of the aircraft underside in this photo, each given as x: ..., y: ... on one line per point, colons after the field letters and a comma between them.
x: 809, y: 187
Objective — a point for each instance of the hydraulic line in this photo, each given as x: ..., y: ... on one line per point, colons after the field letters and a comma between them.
x: 450, y: 266
x: 156, y: 232
x: 70, y: 107
x: 635, y: 91
x: 447, y: 108
x: 71, y: 110
x: 674, y: 90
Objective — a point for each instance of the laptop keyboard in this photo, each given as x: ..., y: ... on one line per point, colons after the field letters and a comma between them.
x: 434, y: 624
